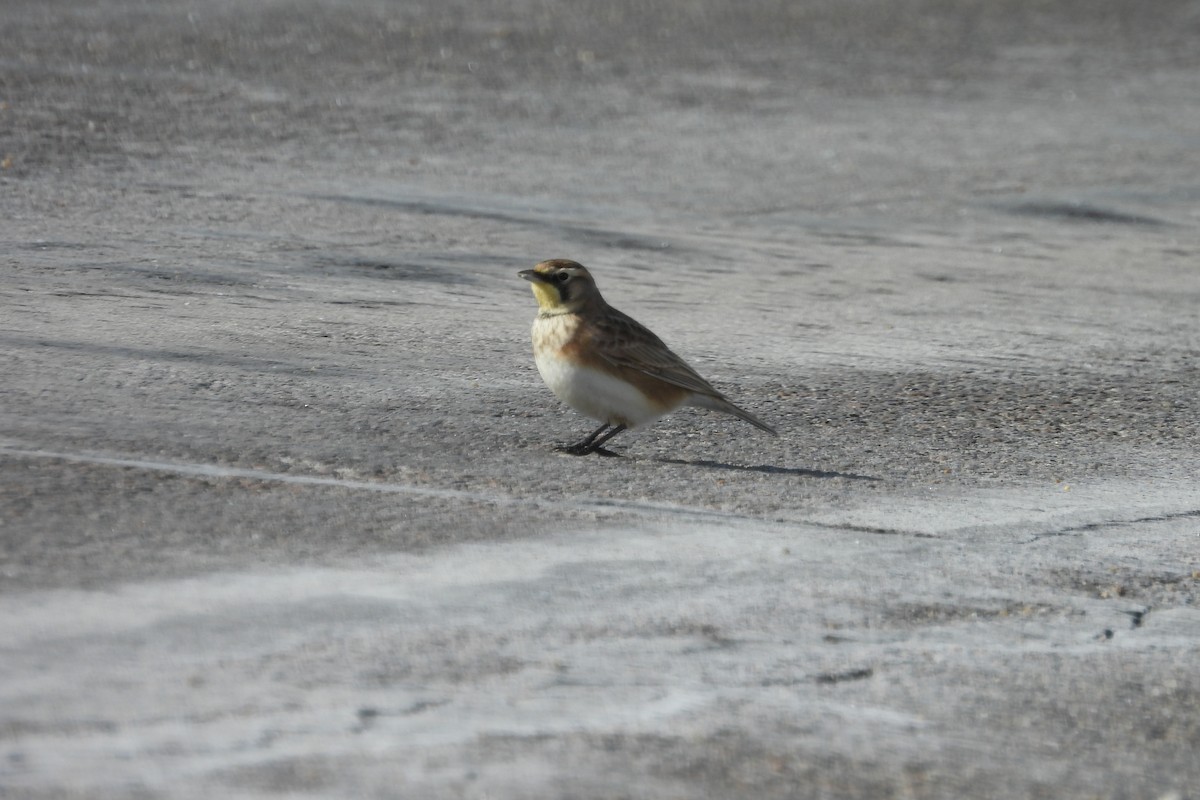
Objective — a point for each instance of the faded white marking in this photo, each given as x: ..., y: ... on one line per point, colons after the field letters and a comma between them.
x: 590, y: 504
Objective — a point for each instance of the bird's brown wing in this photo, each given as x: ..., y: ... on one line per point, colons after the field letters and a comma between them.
x: 624, y: 342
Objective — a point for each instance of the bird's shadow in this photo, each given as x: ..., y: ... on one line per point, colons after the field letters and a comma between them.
x: 768, y: 469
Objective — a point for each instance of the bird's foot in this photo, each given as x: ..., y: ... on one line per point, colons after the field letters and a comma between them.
x: 583, y: 449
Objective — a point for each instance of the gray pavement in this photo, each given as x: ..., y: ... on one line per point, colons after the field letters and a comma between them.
x: 280, y: 513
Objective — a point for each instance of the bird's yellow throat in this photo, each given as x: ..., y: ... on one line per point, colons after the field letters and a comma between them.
x: 547, y: 296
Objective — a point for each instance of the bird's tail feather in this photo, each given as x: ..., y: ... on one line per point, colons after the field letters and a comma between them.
x: 721, y: 404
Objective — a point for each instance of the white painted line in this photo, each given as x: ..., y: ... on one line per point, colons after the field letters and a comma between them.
x: 590, y: 504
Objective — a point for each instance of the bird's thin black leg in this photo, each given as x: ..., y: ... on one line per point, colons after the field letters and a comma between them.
x: 584, y: 445
x: 595, y: 445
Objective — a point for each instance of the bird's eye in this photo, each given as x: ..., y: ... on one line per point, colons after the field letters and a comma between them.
x: 562, y: 277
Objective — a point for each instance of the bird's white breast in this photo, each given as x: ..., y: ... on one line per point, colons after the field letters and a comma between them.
x: 593, y: 392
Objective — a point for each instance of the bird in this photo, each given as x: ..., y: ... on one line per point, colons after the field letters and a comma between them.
x: 607, y: 365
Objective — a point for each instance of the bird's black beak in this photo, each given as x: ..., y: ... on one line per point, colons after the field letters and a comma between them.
x: 532, y: 275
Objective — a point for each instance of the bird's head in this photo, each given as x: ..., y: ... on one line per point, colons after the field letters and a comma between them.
x: 561, y: 286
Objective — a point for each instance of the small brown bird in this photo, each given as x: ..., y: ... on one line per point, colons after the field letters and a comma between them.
x: 605, y: 364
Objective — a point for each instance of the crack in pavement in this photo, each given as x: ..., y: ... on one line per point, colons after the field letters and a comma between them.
x: 1111, y: 523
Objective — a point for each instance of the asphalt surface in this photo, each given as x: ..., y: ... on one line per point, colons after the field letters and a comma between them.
x: 280, y: 513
